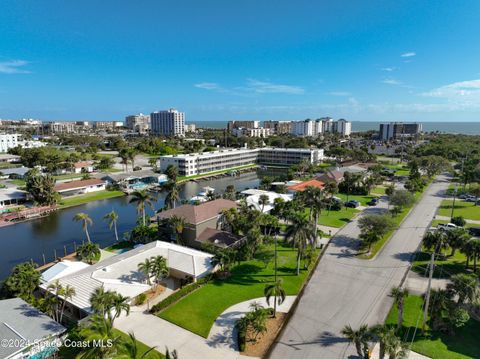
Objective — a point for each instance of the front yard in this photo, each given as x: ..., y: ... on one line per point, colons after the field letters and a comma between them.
x: 467, y: 210
x: 198, y: 311
x: 463, y: 345
x: 337, y: 218
x: 89, y: 197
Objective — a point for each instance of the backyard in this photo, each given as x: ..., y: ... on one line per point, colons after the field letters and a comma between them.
x: 463, y: 345
x: 198, y: 311
x: 89, y: 197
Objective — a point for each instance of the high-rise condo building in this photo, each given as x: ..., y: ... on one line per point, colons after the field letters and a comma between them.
x: 168, y: 123
x: 395, y: 130
x: 138, y: 123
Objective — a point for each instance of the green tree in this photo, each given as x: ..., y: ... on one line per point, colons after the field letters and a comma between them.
x: 159, y: 269
x: 230, y: 193
x: 263, y: 200
x: 373, y: 227
x: 435, y: 241
x: 177, y: 224
x: 23, y: 280
x: 401, y: 199
x: 358, y: 337
x: 146, y: 268
x: 300, y: 233
x: 41, y: 188
x: 89, y: 252
x: 142, y: 199
x: 276, y: 291
x: 456, y: 238
x: 112, y: 219
x: 97, y: 329
x: 173, y: 194
x: 86, y: 221
x: 471, y: 249
x: 129, y: 348
x: 399, y: 295
x: 464, y: 286
x: 172, y: 173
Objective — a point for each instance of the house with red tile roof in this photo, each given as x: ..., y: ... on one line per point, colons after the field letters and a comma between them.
x: 82, y: 167
x: 79, y: 187
x: 300, y: 187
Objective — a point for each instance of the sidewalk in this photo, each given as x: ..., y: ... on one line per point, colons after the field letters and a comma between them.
x: 445, y: 218
x: 411, y: 355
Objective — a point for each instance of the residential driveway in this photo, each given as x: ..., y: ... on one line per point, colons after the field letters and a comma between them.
x: 347, y: 290
x: 222, y: 340
x: 223, y: 333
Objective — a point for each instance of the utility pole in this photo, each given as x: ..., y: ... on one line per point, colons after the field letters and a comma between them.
x: 429, y: 286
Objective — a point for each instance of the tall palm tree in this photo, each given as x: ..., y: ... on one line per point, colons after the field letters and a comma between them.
x: 395, y: 348
x: 316, y: 207
x: 171, y: 354
x: 68, y: 292
x: 173, y: 195
x: 177, y: 224
x: 88, y: 251
x: 159, y: 268
x: 100, y: 329
x: 383, y: 334
x: 471, y: 249
x: 358, y: 337
x: 131, y: 153
x: 112, y: 218
x: 399, y: 295
x: 464, y: 286
x: 440, y: 302
x: 146, y: 268
x: 172, y: 173
x: 301, y: 233
x: 101, y: 300
x: 275, y: 290
x: 86, y: 221
x: 456, y: 238
x: 263, y: 200
x: 330, y: 189
x: 120, y: 304
x: 435, y: 241
x: 142, y: 199
x: 129, y: 348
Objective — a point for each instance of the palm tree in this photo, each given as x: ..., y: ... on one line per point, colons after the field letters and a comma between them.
x: 178, y: 224
x: 330, y: 189
x: 173, y: 194
x: 301, y: 233
x: 464, y: 286
x: 440, y: 301
x: 456, y: 238
x: 99, y: 329
x: 120, y: 304
x: 159, y: 268
x: 100, y: 301
x: 316, y: 207
x: 263, y: 200
x: 171, y: 354
x: 112, y: 218
x: 471, y: 249
x: 358, y: 337
x: 435, y: 241
x: 88, y: 251
x: 275, y: 290
x: 68, y: 292
x: 399, y: 296
x: 383, y: 334
x: 131, y: 153
x: 395, y: 348
x: 142, y: 198
x: 172, y: 173
x: 129, y: 348
x: 146, y: 268
x: 86, y: 221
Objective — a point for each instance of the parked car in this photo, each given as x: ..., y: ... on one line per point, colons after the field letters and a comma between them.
x: 446, y: 227
x: 352, y: 204
x: 474, y: 231
x: 373, y: 202
x: 470, y: 198
x: 463, y: 196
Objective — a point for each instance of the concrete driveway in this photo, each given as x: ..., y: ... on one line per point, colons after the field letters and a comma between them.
x: 347, y: 290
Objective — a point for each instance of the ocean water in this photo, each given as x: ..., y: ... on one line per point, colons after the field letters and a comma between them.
x: 468, y: 128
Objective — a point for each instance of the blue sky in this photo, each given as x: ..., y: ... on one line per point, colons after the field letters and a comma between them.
x: 249, y: 59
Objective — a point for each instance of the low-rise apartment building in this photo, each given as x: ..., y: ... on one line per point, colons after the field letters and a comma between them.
x: 8, y: 141
x: 201, y: 163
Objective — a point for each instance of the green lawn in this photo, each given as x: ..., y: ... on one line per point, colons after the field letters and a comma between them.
x: 198, y: 311
x: 69, y: 176
x: 401, y: 170
x: 445, y: 266
x: 337, y: 218
x: 185, y: 178
x: 467, y: 210
x: 362, y: 199
x: 436, y: 222
x: 379, y: 190
x: 8, y: 165
x: 89, y: 197
x: 463, y: 345
x: 17, y: 182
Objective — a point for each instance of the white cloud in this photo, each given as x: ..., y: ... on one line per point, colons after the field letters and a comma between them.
x: 391, y: 81
x: 462, y: 93
x: 389, y: 69
x: 408, y: 54
x: 339, y: 93
x: 208, y: 86
x: 13, y: 67
x: 270, y: 87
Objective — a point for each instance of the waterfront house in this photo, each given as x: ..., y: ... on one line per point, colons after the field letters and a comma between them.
x: 331, y: 175
x: 11, y: 196
x: 120, y: 273
x: 8, y: 158
x: 300, y: 187
x: 253, y: 199
x: 135, y: 180
x: 72, y: 188
x: 24, y: 325
x: 199, y: 218
x: 14, y: 173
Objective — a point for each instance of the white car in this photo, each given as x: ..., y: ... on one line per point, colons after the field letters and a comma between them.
x: 446, y: 227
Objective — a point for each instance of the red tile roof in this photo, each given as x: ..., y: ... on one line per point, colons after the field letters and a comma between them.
x: 82, y: 164
x: 77, y: 184
x: 310, y: 183
x: 197, y: 214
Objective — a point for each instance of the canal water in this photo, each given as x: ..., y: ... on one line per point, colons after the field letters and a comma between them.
x: 29, y: 240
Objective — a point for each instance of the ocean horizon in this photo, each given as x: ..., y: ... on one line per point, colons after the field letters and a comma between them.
x: 466, y: 128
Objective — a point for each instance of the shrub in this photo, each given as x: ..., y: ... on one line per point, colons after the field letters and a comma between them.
x: 242, y: 337
x: 459, y: 221
x: 140, y: 299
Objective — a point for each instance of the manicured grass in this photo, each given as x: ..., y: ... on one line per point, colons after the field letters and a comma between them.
x: 17, y: 182
x: 436, y: 222
x: 362, y: 199
x: 89, y: 197
x: 445, y: 265
x: 337, y: 218
x: 69, y: 176
x: 463, y: 345
x: 401, y: 170
x: 467, y: 210
x: 379, y: 190
x: 8, y: 165
x: 184, y: 178
x: 198, y: 311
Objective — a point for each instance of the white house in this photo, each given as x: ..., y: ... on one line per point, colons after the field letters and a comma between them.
x: 79, y: 187
x: 253, y: 198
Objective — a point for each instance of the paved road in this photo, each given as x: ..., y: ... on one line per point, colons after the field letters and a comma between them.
x: 346, y: 290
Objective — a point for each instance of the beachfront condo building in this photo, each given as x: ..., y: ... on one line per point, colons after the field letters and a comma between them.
x: 395, y: 130
x: 138, y: 123
x: 168, y: 123
x: 202, y: 163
